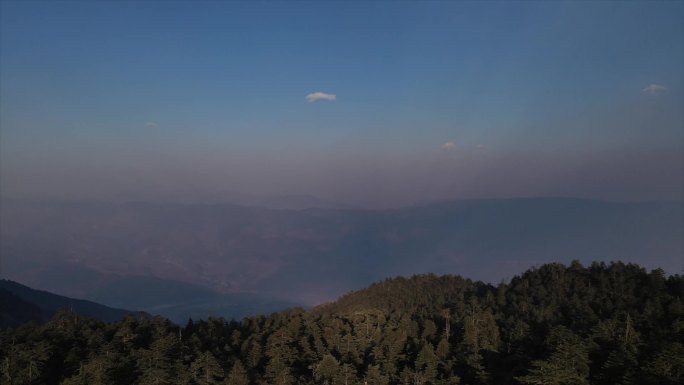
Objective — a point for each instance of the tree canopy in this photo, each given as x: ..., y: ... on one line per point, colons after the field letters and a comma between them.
x: 601, y: 324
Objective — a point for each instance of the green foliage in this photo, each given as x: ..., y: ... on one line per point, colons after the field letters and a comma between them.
x: 327, y: 369
x: 238, y: 375
x: 668, y: 364
x: 568, y: 363
x: 375, y: 376
x: 602, y: 324
x: 206, y: 370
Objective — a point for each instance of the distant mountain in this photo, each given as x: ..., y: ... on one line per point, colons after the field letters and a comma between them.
x: 278, y: 202
x: 228, y: 197
x: 175, y: 300
x: 15, y: 311
x: 21, y: 304
x: 180, y: 301
x: 310, y: 256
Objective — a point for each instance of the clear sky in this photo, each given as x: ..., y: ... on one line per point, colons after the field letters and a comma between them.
x: 371, y: 103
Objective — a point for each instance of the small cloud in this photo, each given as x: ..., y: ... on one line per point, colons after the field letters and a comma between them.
x: 151, y: 124
x: 316, y: 96
x: 449, y: 146
x: 654, y: 89
x: 480, y: 146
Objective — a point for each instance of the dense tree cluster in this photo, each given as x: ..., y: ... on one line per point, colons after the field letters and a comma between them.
x: 554, y: 325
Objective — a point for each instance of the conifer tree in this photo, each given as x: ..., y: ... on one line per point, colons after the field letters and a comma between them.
x: 237, y: 375
x: 206, y: 369
x: 567, y: 365
x: 374, y: 376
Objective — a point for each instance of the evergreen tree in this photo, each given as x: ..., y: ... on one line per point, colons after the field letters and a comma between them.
x: 567, y: 365
x: 668, y: 364
x: 374, y: 376
x: 426, y: 363
x: 206, y: 370
x: 328, y: 369
x: 157, y: 363
x: 606, y: 324
x: 237, y: 375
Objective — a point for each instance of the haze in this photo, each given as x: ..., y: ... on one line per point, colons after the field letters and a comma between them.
x: 232, y: 158
x: 368, y: 105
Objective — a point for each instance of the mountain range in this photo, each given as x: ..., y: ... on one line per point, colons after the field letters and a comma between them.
x: 184, y: 260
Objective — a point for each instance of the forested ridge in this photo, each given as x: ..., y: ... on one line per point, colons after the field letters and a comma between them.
x: 602, y: 324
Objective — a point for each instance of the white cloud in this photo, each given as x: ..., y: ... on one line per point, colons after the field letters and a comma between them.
x: 480, y: 146
x: 151, y: 124
x: 316, y: 96
x: 654, y: 89
x: 449, y: 146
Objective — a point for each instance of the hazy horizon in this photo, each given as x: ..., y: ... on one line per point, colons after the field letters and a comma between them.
x: 476, y: 192
x: 334, y: 105
x: 367, y: 104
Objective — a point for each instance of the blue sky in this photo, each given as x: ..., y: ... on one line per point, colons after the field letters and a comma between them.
x: 570, y: 98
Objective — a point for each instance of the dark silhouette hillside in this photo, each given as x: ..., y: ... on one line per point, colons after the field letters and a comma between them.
x: 22, y: 304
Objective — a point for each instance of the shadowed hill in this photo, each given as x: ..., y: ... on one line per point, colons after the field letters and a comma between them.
x: 22, y: 304
x: 15, y: 311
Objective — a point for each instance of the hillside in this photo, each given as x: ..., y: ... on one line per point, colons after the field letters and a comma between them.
x: 311, y: 256
x: 21, y: 304
x: 15, y: 311
x: 601, y: 324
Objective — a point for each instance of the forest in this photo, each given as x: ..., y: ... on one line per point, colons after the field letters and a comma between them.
x: 600, y: 324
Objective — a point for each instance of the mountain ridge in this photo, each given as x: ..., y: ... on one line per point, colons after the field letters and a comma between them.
x: 43, y: 305
x: 314, y: 255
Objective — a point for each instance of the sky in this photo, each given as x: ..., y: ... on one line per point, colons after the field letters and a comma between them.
x: 376, y: 104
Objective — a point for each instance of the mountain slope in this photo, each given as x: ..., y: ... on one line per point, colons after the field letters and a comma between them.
x: 603, y: 324
x: 15, y: 311
x: 22, y: 304
x: 310, y: 256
